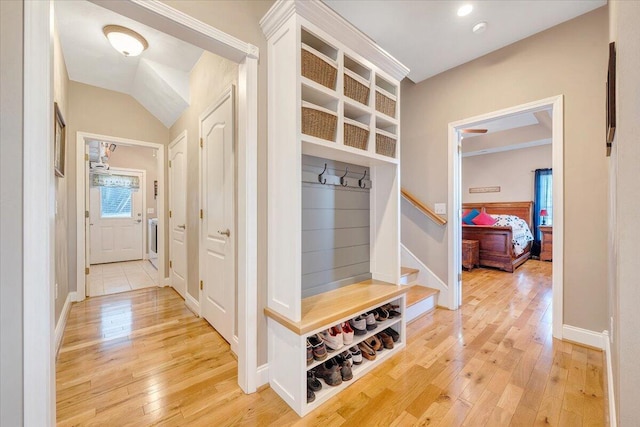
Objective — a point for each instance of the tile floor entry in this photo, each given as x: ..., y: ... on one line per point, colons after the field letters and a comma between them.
x: 112, y: 278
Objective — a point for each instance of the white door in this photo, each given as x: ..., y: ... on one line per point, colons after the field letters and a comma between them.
x: 115, y: 215
x: 217, y: 233
x: 178, y: 214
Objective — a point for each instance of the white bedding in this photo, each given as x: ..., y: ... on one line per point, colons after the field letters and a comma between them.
x: 520, y: 231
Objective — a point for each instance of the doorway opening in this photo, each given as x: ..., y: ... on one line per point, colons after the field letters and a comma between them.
x: 456, y: 148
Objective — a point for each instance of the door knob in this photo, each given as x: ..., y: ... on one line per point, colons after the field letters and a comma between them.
x: 227, y: 232
x: 181, y: 226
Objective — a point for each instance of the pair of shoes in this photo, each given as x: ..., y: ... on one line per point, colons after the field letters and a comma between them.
x: 345, y: 366
x: 386, y: 339
x: 391, y: 309
x: 367, y: 352
x: 333, y: 338
x: 347, y: 333
x: 381, y: 314
x: 393, y: 334
x: 329, y: 371
x: 356, y: 355
x: 309, y: 353
x: 313, y: 383
x: 359, y: 325
x: 374, y: 342
x: 318, y: 348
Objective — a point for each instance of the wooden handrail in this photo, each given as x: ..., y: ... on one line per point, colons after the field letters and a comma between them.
x: 423, y: 208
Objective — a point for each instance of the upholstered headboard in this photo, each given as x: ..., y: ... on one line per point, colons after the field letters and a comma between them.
x: 522, y: 210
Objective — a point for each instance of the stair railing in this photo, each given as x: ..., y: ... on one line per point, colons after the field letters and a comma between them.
x: 423, y: 208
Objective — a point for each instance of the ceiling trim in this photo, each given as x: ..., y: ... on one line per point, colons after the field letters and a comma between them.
x: 318, y: 13
x: 194, y: 31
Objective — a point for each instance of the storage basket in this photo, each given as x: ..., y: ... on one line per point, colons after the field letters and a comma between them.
x: 356, y: 87
x: 386, y: 143
x: 318, y: 121
x: 356, y: 134
x: 385, y: 102
x: 319, y: 67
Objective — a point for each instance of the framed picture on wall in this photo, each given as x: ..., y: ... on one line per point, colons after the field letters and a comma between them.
x: 611, y: 97
x: 59, y: 142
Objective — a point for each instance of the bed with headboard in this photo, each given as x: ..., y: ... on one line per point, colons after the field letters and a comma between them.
x: 496, y: 247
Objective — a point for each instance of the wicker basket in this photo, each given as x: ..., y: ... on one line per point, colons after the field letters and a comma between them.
x: 385, y: 102
x: 356, y: 87
x: 319, y: 122
x: 356, y: 134
x: 385, y: 143
x: 319, y: 67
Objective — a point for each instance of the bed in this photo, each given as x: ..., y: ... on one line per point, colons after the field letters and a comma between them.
x: 496, y: 242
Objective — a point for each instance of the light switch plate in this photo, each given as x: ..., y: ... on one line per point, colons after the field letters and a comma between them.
x: 150, y: 210
x: 441, y: 208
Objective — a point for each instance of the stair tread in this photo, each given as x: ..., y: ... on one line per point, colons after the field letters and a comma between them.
x: 406, y: 271
x: 418, y: 293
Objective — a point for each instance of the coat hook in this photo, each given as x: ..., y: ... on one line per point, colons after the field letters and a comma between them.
x: 343, y: 180
x: 321, y: 179
x: 360, y: 183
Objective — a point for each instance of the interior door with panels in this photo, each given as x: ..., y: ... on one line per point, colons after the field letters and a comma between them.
x: 177, y: 216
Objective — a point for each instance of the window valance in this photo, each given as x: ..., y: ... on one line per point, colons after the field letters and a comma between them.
x: 120, y: 181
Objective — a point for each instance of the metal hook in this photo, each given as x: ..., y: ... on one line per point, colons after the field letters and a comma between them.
x: 343, y: 181
x: 322, y: 180
x: 360, y: 183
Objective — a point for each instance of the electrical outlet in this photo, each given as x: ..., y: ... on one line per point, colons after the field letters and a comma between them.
x: 441, y: 208
x: 150, y: 210
x: 56, y: 291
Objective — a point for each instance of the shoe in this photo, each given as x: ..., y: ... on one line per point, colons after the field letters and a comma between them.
x: 329, y: 371
x: 345, y: 368
x: 347, y: 357
x: 356, y: 355
x: 391, y: 309
x: 393, y: 334
x: 332, y: 338
x: 382, y: 314
x: 370, y: 321
x: 359, y: 325
x: 374, y: 343
x: 311, y: 396
x: 347, y: 333
x: 386, y: 339
x: 313, y: 383
x: 309, y: 353
x: 367, y: 352
x: 318, y: 347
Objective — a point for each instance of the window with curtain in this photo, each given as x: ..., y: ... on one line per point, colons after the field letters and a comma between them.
x: 543, y: 200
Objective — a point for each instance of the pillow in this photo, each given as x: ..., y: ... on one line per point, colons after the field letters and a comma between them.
x: 465, y: 213
x: 468, y: 218
x: 484, y: 219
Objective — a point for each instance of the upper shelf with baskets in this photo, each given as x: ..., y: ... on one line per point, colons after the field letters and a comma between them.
x: 346, y: 103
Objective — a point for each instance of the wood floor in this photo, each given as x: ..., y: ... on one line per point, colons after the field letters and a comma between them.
x: 141, y: 358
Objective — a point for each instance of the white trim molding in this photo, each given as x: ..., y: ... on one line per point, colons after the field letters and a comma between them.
x: 62, y: 321
x: 583, y: 336
x: 192, y: 304
x: 263, y: 375
x: 556, y: 103
x: 606, y: 344
x: 426, y: 277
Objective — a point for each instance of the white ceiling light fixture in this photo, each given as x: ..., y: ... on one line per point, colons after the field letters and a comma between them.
x: 124, y: 40
x: 479, y: 28
x: 464, y: 10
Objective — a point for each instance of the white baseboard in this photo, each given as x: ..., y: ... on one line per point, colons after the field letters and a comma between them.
x: 606, y: 343
x: 426, y: 277
x: 192, y: 304
x: 62, y: 321
x: 582, y: 336
x: 262, y: 375
x: 422, y: 307
x: 167, y: 281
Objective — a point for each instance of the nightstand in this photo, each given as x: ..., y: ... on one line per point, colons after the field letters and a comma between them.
x: 470, y: 254
x: 546, y: 244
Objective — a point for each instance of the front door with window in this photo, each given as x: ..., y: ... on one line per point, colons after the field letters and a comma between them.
x: 115, y: 216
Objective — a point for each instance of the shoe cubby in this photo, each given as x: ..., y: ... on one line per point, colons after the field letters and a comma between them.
x: 334, y: 95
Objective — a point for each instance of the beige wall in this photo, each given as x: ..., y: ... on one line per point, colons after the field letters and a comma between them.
x: 61, y: 96
x: 625, y: 158
x: 241, y: 19
x: 569, y: 59
x: 134, y: 157
x: 208, y: 79
x: 11, y: 192
x: 104, y: 112
x: 511, y: 170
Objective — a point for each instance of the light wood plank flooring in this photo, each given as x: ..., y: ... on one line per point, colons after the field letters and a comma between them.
x: 141, y: 358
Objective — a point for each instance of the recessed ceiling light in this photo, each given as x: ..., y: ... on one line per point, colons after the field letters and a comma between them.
x: 124, y: 40
x: 479, y: 28
x: 465, y: 10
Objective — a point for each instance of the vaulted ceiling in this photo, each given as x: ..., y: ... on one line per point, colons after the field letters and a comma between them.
x: 158, y: 78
